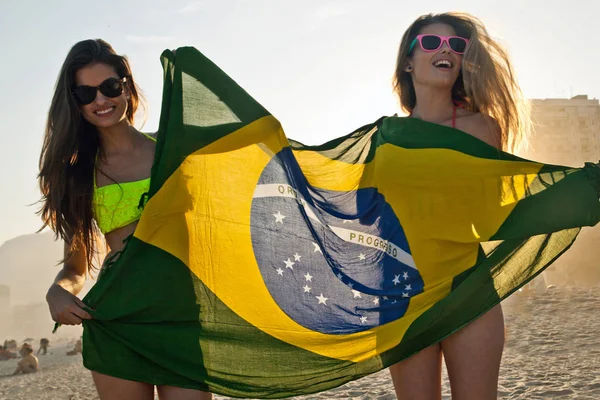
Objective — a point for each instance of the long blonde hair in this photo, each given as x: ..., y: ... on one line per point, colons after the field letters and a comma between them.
x: 486, y: 83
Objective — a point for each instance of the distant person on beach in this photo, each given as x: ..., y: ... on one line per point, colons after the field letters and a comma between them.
x: 25, y: 349
x: 450, y: 72
x: 76, y: 350
x: 10, y: 345
x: 28, y: 364
x: 44, y: 343
x: 94, y: 170
x: 6, y: 354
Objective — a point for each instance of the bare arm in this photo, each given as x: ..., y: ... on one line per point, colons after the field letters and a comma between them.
x: 72, y: 277
x: 20, y: 368
x: 65, y: 307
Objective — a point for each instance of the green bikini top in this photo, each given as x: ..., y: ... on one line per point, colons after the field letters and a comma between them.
x: 117, y: 205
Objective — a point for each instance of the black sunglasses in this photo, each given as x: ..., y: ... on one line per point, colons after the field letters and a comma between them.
x: 111, y: 87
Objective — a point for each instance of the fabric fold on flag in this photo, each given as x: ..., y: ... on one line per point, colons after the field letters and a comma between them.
x: 265, y: 268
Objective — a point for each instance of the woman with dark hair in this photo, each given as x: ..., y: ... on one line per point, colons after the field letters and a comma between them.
x: 450, y: 72
x: 94, y: 170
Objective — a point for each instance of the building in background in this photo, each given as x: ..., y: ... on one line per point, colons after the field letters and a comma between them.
x: 4, y: 300
x: 565, y: 131
x: 5, y: 311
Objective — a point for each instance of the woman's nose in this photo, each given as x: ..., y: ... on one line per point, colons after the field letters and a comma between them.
x: 445, y: 47
x: 100, y: 98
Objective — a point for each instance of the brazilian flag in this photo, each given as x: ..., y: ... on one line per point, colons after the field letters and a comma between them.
x: 265, y: 268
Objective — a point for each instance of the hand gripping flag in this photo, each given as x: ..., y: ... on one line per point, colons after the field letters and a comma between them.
x: 265, y: 268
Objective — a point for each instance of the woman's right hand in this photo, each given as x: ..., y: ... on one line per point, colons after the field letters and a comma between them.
x: 65, y: 307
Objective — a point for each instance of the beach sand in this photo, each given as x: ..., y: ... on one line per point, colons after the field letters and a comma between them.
x: 552, y: 351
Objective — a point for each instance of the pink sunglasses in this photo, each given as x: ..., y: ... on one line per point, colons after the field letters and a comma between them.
x: 429, y: 42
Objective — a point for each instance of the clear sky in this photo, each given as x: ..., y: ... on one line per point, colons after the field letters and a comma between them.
x: 322, y: 67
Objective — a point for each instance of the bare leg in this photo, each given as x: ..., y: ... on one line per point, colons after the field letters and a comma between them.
x: 419, y: 377
x: 111, y: 388
x: 473, y: 357
x: 177, y: 393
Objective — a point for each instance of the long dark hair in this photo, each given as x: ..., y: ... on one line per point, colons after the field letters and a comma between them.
x: 67, y: 161
x: 486, y: 83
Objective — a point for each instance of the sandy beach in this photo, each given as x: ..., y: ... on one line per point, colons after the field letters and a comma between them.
x: 552, y: 351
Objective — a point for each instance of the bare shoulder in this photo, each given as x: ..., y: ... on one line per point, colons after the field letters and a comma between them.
x: 150, y: 144
x: 483, y: 127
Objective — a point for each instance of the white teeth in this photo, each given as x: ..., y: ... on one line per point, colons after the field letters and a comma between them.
x: 443, y: 62
x: 105, y: 111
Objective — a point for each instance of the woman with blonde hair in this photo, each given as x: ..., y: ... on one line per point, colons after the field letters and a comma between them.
x: 450, y: 72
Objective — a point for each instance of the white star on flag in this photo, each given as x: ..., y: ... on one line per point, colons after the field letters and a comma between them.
x: 363, y: 320
x: 350, y: 285
x: 396, y: 279
x: 361, y: 256
x: 322, y: 299
x: 356, y: 294
x: 405, y: 275
x: 405, y: 295
x: 407, y: 287
x: 279, y: 217
x: 289, y: 264
x: 317, y: 248
x: 279, y: 271
x: 347, y: 221
x: 306, y: 289
x: 297, y: 257
x: 339, y: 275
x: 308, y: 277
x: 376, y: 300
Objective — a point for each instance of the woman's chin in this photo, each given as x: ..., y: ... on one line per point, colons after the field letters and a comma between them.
x: 106, y: 124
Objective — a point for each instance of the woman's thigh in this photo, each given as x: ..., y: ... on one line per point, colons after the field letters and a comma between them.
x: 419, y: 377
x: 177, y: 393
x: 473, y: 357
x: 111, y: 388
